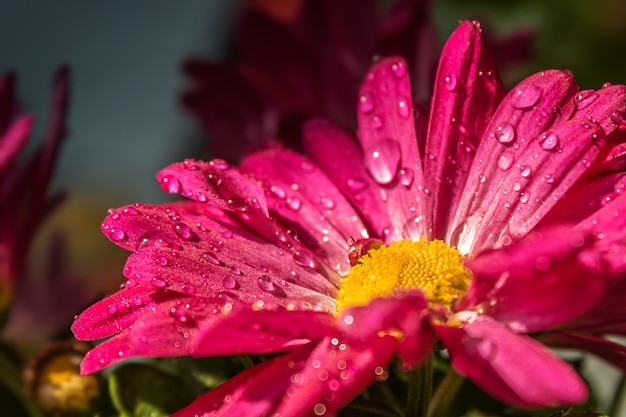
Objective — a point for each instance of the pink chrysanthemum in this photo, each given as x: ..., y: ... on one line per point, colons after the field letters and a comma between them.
x: 511, y: 224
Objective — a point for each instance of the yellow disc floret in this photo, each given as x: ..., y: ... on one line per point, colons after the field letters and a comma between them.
x: 433, y: 267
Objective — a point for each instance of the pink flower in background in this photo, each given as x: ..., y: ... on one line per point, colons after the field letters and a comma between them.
x: 24, y: 182
x: 358, y: 252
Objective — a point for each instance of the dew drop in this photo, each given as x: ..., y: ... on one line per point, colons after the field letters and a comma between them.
x: 524, y: 197
x: 212, y: 258
x: 189, y: 288
x: 170, y: 184
x: 585, y: 98
x: 112, y: 309
x: 277, y: 191
x: 236, y: 203
x: 517, y: 186
x: 366, y: 103
x: 450, y: 82
x: 294, y: 203
x: 549, y: 141
x: 161, y: 261
x: 304, y: 259
x: 526, y: 97
x: 130, y: 210
x: 356, y: 184
x: 618, y: 118
x: 327, y: 203
x: 525, y: 171
x: 404, y: 109
x: 505, y: 161
x: 158, y: 282
x: 405, y: 176
x: 184, y: 232
x: 118, y: 235
x: 398, y: 69
x: 377, y: 122
x: 548, y: 179
x: 220, y: 164
x: 382, y: 160
x: 229, y: 283
x: 265, y: 283
x: 506, y: 134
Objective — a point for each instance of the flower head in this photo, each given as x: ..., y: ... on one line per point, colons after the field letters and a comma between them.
x: 358, y: 252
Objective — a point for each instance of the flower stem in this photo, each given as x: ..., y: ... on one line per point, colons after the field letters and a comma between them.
x: 446, y: 391
x: 420, y: 386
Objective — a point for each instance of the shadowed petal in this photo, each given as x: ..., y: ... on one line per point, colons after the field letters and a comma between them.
x: 12, y: 142
x: 514, y: 368
x: 540, y: 282
x: 391, y: 155
x: 467, y: 92
x: 612, y: 352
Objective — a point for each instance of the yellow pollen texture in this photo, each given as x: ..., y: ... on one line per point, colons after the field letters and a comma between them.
x: 434, y: 267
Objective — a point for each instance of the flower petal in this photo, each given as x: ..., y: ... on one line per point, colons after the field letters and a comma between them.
x: 514, y: 368
x: 304, y: 199
x: 540, y: 282
x: 340, y: 157
x: 387, y: 135
x: 467, y: 92
x: 605, y: 349
x: 14, y: 140
x: 537, y: 103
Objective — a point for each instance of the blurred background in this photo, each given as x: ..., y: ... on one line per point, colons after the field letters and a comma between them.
x: 126, y: 122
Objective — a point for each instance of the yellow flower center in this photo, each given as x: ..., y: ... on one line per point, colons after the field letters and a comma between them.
x: 433, y: 267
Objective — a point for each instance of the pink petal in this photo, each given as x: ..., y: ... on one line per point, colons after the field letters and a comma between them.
x: 12, y: 142
x: 540, y: 282
x: 542, y: 172
x: 303, y: 198
x: 513, y: 368
x: 215, y: 183
x: 467, y: 92
x: 405, y: 315
x: 605, y: 107
x: 250, y: 330
x: 537, y: 103
x: 607, y: 317
x: 340, y: 157
x: 387, y: 135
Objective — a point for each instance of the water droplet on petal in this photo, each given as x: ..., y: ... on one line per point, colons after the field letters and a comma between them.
x: 112, y: 309
x: 356, y: 184
x: 549, y: 141
x: 229, y: 283
x: 377, y: 122
x: 517, y: 186
x: 618, y: 118
x: 585, y: 98
x: 523, y: 198
x: 161, y: 261
x: 366, y: 103
x: 327, y: 203
x: 265, y: 283
x: 277, y: 191
x: 526, y: 96
x: 294, y: 203
x: 382, y: 160
x: 304, y: 259
x: 450, y: 82
x: 506, y: 134
x: 184, y: 232
x: 405, y: 176
x: 118, y: 235
x: 399, y: 69
x: 189, y: 288
x: 525, y: 171
x: 220, y: 164
x: 404, y: 109
x: 505, y: 161
x: 236, y: 203
x: 212, y: 258
x: 131, y: 210
x: 170, y: 184
x: 158, y: 282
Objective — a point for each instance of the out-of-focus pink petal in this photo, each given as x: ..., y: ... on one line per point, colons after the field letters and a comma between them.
x: 514, y: 368
x: 405, y: 315
x: 303, y: 198
x: 215, y: 183
x: 541, y: 173
x: 607, y: 317
x: 541, y: 101
x: 540, y: 282
x: 612, y: 352
x: 387, y: 134
x: 246, y: 329
x: 339, y: 156
x: 12, y: 142
x: 467, y: 92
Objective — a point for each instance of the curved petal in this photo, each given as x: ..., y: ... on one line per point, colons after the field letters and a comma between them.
x: 13, y: 140
x: 542, y: 281
x: 467, y: 92
x: 387, y: 135
x: 537, y: 103
x: 303, y: 198
x: 514, y: 368
x: 340, y: 157
x: 605, y: 349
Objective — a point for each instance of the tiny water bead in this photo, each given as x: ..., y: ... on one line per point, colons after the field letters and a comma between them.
x: 382, y: 159
x: 434, y: 267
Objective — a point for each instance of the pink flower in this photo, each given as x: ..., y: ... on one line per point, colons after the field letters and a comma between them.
x: 24, y: 181
x: 358, y: 252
